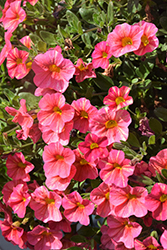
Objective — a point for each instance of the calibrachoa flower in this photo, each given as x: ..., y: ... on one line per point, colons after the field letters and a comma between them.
x: 84, y: 112
x: 85, y: 170
x: 101, y: 197
x: 113, y: 125
x: 101, y: 55
x: 156, y: 201
x: 58, y: 160
x: 163, y: 239
x: 52, y: 70
x: 33, y: 132
x: 129, y: 201
x: 54, y: 112
x: 46, y: 204
x: 106, y: 240
x: 8, y: 189
x: 94, y: 147
x: 124, y: 38
x: 43, y: 238
x: 77, y: 209
x: 158, y: 162
x: 118, y: 98
x: 144, y: 127
x: 149, y: 243
x: 40, y: 91
x: 7, y: 47
x: 19, y: 199
x: 13, y: 16
x: 149, y: 41
x: 18, y: 167
x: 63, y: 225
x: 83, y: 71
x: 123, y: 230
x: 58, y: 183
x: 116, y: 169
x: 26, y: 41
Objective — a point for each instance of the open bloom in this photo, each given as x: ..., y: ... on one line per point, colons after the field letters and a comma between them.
x: 163, y: 239
x: 46, y: 204
x: 107, y: 242
x: 52, y: 70
x: 7, y: 47
x: 158, y: 162
x: 83, y: 71
x: 149, y: 41
x: 124, y: 38
x: 113, y: 125
x: 58, y: 160
x: 77, y: 209
x: 118, y: 98
x: 84, y: 112
x: 94, y: 147
x: 101, y: 55
x: 54, y: 112
x: 43, y: 238
x: 149, y: 243
x: 156, y: 201
x: 13, y: 16
x: 18, y: 167
x: 116, y: 169
x: 26, y: 41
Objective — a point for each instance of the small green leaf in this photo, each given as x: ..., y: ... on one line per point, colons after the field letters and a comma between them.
x: 133, y: 141
x: 35, y: 39
x: 144, y: 69
x: 74, y: 248
x: 31, y: 100
x: 155, y: 235
x: 41, y: 46
x: 9, y: 94
x: 163, y: 22
x: 151, y: 140
x: 103, y: 82
x: 161, y: 113
x: 47, y: 37
x: 72, y: 19
x: 155, y: 125
x: 110, y: 13
x: 95, y: 183
x: 87, y: 14
x: 78, y: 238
x: 164, y: 172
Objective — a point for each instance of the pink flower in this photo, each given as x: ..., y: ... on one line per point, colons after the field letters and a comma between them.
x: 101, y: 55
x: 46, y: 204
x: 8, y: 189
x: 64, y: 225
x: 156, y: 201
x: 33, y: 132
x: 129, y: 201
x: 94, y: 147
x: 124, y: 38
x: 116, y: 169
x: 149, y: 243
x: 43, y: 238
x: 163, y: 239
x: 52, y: 70
x: 158, y: 162
x: 16, y: 63
x: 26, y: 41
x: 118, y: 98
x: 144, y: 127
x: 77, y: 209
x: 113, y: 125
x: 83, y: 71
x: 149, y: 41
x: 106, y: 240
x: 58, y: 183
x: 123, y: 230
x: 14, y: 15
x: 54, y: 112
x: 6, y: 49
x: 84, y: 112
x: 101, y: 197
x: 85, y: 170
x: 18, y: 167
x: 19, y: 199
x: 40, y: 91
x: 58, y: 160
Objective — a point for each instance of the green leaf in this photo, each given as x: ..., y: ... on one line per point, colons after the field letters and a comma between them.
x: 47, y: 37
x: 95, y: 183
x: 110, y: 13
x: 146, y: 180
x: 35, y: 39
x: 144, y: 69
x: 87, y: 231
x: 31, y: 100
x: 163, y: 22
x: 86, y: 39
x: 41, y: 46
x: 103, y: 82
x: 9, y: 94
x: 80, y: 31
x: 155, y: 125
x: 133, y: 141
x: 164, y: 172
x: 74, y: 248
x: 161, y: 113
x: 151, y: 140
x: 78, y: 238
x: 72, y: 19
x: 155, y: 235
x: 87, y: 14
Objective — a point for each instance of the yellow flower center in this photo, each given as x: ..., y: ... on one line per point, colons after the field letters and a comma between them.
x: 80, y: 205
x: 46, y: 233
x: 57, y: 110
x: 119, y: 99
x: 144, y: 40
x: 126, y: 41
x: 50, y: 201
x: 24, y: 199
x: 83, y: 162
x: 116, y: 165
x: 84, y: 114
x: 81, y: 67
x: 94, y: 145
x: 111, y: 124
x: 104, y: 54
x: 131, y: 196
x: 54, y: 68
x: 21, y: 165
x: 17, y: 16
x: 28, y: 65
x: 126, y: 224
x: 163, y: 197
x: 151, y: 247
x: 59, y: 157
x: 107, y: 195
x: 18, y: 61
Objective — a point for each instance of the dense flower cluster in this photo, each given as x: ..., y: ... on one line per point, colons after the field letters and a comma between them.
x: 57, y: 203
